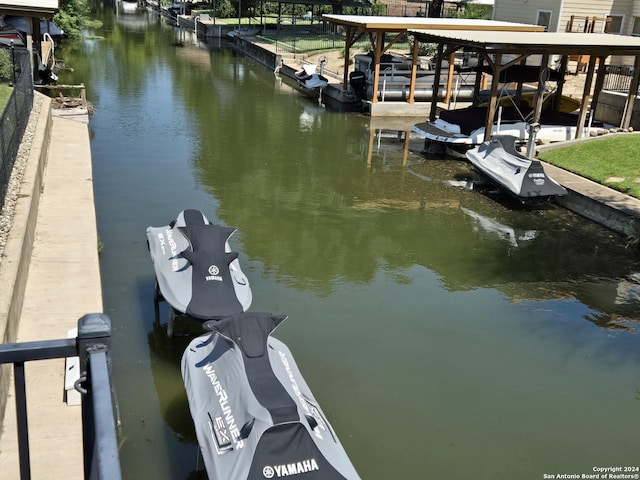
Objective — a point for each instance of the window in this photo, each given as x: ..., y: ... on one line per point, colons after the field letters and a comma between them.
x: 614, y: 24
x: 544, y: 18
x: 636, y: 26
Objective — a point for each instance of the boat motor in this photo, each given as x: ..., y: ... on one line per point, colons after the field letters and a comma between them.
x: 358, y: 82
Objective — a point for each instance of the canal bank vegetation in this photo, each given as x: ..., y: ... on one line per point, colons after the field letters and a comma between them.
x: 6, y: 76
x: 5, y: 93
x: 610, y: 161
x: 73, y: 17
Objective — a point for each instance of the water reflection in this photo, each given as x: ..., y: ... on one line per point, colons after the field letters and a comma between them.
x: 503, y: 232
x: 165, y: 354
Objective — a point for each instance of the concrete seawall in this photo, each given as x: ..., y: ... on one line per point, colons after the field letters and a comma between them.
x: 14, y: 268
x: 53, y: 261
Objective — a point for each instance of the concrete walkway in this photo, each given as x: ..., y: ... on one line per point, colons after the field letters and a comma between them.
x: 63, y: 284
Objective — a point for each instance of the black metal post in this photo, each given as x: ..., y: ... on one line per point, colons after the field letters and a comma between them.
x: 106, y: 463
x: 23, y: 424
x: 94, y: 342
x: 92, y: 345
x: 13, y: 61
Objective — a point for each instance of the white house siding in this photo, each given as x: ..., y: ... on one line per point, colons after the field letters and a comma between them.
x: 525, y: 11
x: 598, y: 8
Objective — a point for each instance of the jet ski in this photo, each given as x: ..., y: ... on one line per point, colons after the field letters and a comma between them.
x: 197, y: 274
x: 523, y: 177
x: 308, y: 78
x: 254, y: 415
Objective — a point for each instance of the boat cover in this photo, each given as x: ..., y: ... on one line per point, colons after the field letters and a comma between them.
x: 523, y: 177
x: 308, y: 78
x: 518, y: 73
x: 254, y: 414
x: 197, y: 273
x: 472, y: 118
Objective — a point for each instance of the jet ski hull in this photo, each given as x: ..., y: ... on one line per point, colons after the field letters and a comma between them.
x: 196, y: 272
x: 522, y: 177
x: 254, y: 414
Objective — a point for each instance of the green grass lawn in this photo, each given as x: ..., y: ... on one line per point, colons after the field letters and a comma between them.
x: 5, y: 93
x: 613, y: 161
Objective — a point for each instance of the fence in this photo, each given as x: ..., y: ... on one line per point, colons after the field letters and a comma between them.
x: 92, y: 346
x: 291, y: 35
x: 13, y: 121
x: 297, y: 30
x: 618, y: 78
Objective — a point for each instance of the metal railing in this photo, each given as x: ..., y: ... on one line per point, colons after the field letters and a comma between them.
x: 618, y: 78
x: 15, y: 116
x: 92, y: 346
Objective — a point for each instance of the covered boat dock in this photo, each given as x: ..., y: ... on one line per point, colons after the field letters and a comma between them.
x: 384, y: 32
x: 502, y: 50
x: 498, y: 48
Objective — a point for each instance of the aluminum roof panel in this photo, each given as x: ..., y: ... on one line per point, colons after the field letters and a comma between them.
x: 29, y: 7
x: 368, y: 22
x: 540, y: 42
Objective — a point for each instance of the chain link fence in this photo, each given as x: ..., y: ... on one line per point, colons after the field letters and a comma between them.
x: 13, y: 121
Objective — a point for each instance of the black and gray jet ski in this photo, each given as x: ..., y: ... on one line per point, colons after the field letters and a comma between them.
x: 254, y: 414
x: 524, y: 178
x: 196, y: 272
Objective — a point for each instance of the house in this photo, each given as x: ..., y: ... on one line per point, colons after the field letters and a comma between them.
x: 419, y: 8
x: 594, y: 16
x: 620, y: 17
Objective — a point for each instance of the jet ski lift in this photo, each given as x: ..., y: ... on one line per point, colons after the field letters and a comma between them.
x: 197, y: 274
x: 254, y: 415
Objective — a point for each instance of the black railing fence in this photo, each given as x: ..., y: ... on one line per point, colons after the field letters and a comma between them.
x: 296, y: 31
x: 92, y: 346
x: 13, y: 120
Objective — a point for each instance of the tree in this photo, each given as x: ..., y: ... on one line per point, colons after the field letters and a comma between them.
x: 475, y: 11
x: 72, y: 17
x: 435, y: 8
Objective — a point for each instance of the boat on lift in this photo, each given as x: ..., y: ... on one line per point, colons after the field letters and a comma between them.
x: 309, y: 79
x: 457, y: 130
x: 9, y: 35
x: 394, y: 79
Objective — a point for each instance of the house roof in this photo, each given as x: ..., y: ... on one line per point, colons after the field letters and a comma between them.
x: 564, y: 43
x: 400, y: 24
x: 30, y: 8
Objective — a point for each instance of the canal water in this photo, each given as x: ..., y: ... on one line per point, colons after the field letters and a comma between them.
x: 446, y: 332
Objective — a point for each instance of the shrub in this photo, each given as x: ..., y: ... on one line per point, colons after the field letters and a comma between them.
x: 6, y: 66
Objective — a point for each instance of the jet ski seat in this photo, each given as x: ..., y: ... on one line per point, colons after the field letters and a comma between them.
x: 197, y: 274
